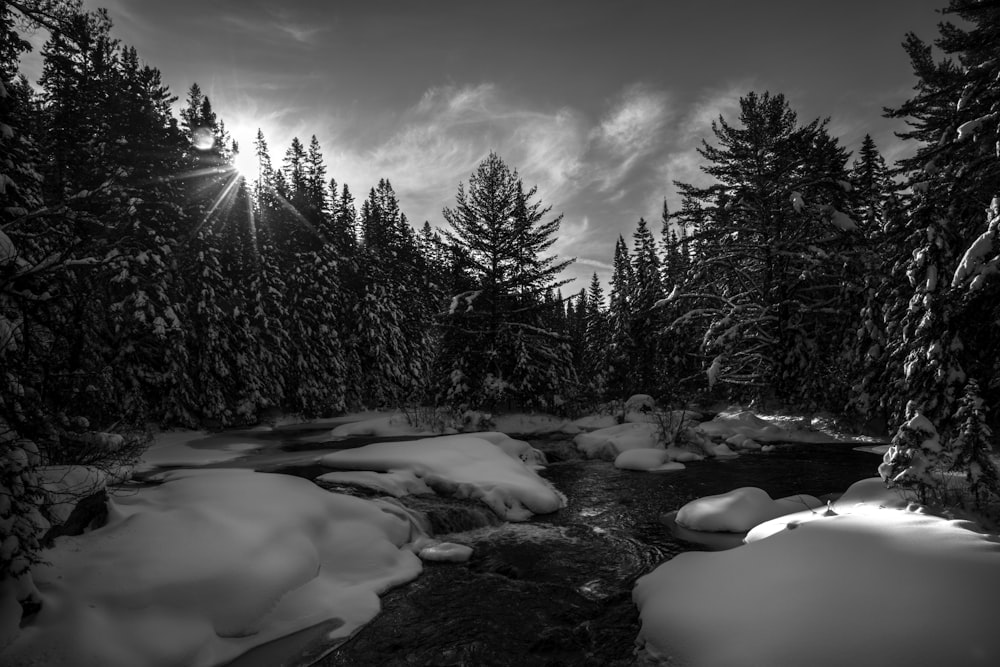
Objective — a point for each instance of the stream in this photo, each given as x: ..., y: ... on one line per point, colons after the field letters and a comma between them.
x: 555, y: 590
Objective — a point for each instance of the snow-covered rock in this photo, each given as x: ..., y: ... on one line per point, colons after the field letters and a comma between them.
x: 466, y: 466
x: 446, y: 552
x: 647, y: 460
x: 608, y: 443
x: 739, y: 510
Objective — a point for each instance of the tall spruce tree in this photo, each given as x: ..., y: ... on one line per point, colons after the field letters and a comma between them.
x: 498, y: 349
x: 774, y: 254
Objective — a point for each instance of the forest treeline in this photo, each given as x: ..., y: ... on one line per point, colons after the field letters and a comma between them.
x: 144, y: 279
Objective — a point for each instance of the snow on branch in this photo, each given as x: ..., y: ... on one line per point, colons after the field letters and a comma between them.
x: 981, y: 258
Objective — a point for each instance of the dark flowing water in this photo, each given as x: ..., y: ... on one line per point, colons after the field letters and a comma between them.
x: 557, y: 590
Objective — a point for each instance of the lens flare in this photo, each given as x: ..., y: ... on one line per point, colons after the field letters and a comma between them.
x: 203, y: 139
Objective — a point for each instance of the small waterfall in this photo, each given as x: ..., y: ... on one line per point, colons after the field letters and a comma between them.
x: 451, y: 515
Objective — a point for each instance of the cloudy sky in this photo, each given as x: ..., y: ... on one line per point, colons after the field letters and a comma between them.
x: 598, y: 103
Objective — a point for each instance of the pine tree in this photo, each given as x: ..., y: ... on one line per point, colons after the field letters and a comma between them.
x: 645, y: 357
x: 973, y: 447
x: 620, y: 312
x: 950, y: 307
x: 773, y: 254
x: 500, y: 350
x: 594, y: 378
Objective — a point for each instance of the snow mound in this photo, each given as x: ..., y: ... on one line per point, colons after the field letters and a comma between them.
x: 516, y: 449
x: 862, y: 497
x: 208, y: 565
x: 446, y: 552
x: 608, y: 443
x: 466, y: 466
x: 873, y: 491
x: 396, y: 483
x: 647, y: 460
x: 838, y: 590
x: 530, y: 424
x: 590, y: 423
x: 387, y: 426
x: 726, y: 425
x: 739, y: 510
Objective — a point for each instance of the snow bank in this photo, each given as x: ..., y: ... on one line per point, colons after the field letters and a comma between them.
x: 208, y: 565
x: 516, y: 449
x: 381, y: 425
x: 590, y: 423
x: 530, y: 424
x: 746, y: 430
x: 743, y: 423
x: 191, y: 449
x: 467, y: 466
x: 608, y: 443
x: 647, y: 460
x: 739, y: 510
x: 396, y: 483
x: 883, y: 587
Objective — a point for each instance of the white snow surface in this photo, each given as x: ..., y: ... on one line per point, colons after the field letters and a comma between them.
x: 191, y: 449
x: 739, y: 510
x: 647, y: 460
x: 447, y: 552
x: 382, y: 425
x: 466, y: 466
x: 608, y: 443
x: 867, y: 586
x: 759, y: 429
x: 206, y: 566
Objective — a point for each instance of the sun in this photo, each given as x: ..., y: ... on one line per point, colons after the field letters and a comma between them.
x: 246, y: 160
x: 244, y: 133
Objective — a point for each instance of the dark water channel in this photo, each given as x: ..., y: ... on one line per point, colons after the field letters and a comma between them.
x: 557, y: 589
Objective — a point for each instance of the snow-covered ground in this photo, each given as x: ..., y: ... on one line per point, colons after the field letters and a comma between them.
x: 205, y: 566
x: 871, y: 581
x: 211, y: 561
x: 214, y: 561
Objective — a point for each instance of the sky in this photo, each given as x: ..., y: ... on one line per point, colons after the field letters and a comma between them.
x: 600, y: 104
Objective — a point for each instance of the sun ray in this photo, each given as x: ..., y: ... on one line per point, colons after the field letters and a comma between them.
x: 225, y: 196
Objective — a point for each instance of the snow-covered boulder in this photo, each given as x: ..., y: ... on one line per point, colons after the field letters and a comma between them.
x: 640, y: 403
x: 516, y: 449
x: 739, y: 510
x: 744, y: 423
x: 465, y: 466
x: 446, y: 552
x: 647, y: 460
x: 590, y: 423
x: 608, y: 443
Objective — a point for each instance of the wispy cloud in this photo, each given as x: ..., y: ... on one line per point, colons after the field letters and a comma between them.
x: 630, y: 132
x: 428, y: 149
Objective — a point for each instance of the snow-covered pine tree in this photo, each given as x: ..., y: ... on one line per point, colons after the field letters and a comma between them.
x: 916, y: 457
x: 620, y: 312
x: 645, y: 357
x: 973, y: 447
x: 594, y: 378
x: 773, y: 253
x: 500, y: 352
x: 952, y: 307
